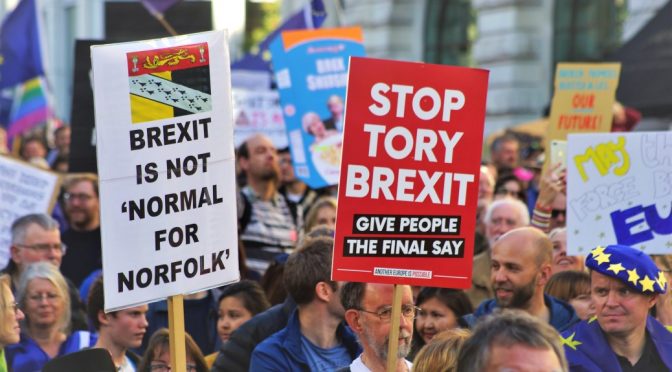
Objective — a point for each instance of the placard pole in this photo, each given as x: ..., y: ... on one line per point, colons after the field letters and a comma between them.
x: 394, y: 329
x: 178, y: 353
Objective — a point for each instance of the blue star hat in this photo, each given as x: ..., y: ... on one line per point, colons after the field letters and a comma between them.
x: 629, y: 265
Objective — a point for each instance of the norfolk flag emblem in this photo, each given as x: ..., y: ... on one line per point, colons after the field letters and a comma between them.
x: 169, y: 82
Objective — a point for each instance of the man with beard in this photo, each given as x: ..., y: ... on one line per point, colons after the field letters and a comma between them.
x: 118, y: 331
x: 82, y: 208
x: 625, y: 284
x: 315, y: 337
x: 368, y: 311
x: 521, y: 267
x: 265, y: 221
x: 299, y: 196
x: 500, y: 217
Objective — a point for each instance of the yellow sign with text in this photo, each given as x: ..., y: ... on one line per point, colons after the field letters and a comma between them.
x: 583, y: 100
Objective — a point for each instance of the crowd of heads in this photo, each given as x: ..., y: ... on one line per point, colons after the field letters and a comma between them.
x: 523, y: 275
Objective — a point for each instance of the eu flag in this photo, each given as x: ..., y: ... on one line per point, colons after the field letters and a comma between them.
x: 20, y: 56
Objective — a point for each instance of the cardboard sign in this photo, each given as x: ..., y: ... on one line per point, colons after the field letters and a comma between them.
x: 311, y: 69
x: 409, y: 177
x: 258, y: 111
x: 620, y: 191
x: 583, y: 99
x: 24, y: 189
x: 166, y: 160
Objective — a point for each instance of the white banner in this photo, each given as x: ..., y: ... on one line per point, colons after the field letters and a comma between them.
x: 24, y: 189
x: 258, y: 111
x: 166, y: 166
x: 619, y: 191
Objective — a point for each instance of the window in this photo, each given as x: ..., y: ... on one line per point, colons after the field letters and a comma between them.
x: 587, y: 30
x: 450, y: 29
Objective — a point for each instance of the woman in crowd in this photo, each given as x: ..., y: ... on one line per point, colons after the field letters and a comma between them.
x: 323, y: 212
x: 43, y: 295
x: 561, y: 261
x: 663, y: 309
x: 238, y: 303
x: 440, y: 355
x: 572, y: 287
x: 510, y: 186
x: 10, y: 315
x: 157, y: 355
x: 441, y: 309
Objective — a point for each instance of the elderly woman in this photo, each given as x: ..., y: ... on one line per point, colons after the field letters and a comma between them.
x: 42, y: 293
x: 10, y: 315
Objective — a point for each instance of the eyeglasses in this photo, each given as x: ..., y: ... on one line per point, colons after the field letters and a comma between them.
x: 14, y: 306
x: 407, y: 311
x: 507, y: 192
x: 555, y: 213
x: 72, y: 196
x: 45, y: 247
x: 162, y: 367
x: 39, y: 297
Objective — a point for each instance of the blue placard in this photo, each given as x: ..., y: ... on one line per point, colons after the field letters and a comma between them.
x: 311, y: 70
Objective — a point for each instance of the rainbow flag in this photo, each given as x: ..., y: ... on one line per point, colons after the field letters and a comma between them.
x: 30, y: 108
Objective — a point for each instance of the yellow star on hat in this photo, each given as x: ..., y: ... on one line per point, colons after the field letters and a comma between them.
x: 647, y: 284
x: 633, y: 277
x: 616, y: 268
x: 662, y: 280
x: 597, y: 251
x: 569, y: 341
x: 602, y: 258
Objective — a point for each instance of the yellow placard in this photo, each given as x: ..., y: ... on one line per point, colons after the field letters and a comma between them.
x: 583, y: 100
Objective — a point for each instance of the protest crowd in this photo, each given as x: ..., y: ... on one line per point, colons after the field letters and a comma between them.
x: 530, y: 305
x: 533, y: 304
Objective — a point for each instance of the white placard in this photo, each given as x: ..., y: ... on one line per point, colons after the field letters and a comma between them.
x: 24, y: 189
x: 166, y: 166
x: 620, y: 191
x: 258, y: 111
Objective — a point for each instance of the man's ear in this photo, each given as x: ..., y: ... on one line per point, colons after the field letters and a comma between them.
x: 14, y: 254
x: 653, y: 300
x: 545, y: 273
x: 353, y: 319
x: 103, y: 318
x: 323, y: 291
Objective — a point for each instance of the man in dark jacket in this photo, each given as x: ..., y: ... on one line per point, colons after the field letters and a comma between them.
x: 315, y: 338
x: 521, y: 267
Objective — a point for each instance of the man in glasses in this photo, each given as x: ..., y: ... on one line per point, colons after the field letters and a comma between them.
x: 36, y: 238
x: 368, y: 311
x: 82, y: 207
x: 315, y: 338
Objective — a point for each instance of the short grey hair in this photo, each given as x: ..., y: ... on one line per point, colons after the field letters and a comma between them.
x: 45, y: 270
x: 507, y: 328
x: 515, y: 203
x: 20, y: 225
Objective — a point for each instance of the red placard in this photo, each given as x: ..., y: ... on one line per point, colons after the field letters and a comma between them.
x: 409, y: 173
x: 167, y: 59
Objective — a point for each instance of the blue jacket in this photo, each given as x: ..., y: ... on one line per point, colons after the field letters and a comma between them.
x: 563, y: 315
x: 587, y: 349
x: 282, y: 351
x: 28, y: 356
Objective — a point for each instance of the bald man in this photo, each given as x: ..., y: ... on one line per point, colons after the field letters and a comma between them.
x: 521, y: 267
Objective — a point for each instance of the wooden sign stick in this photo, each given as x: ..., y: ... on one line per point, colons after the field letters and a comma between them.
x: 393, y: 345
x: 178, y: 353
